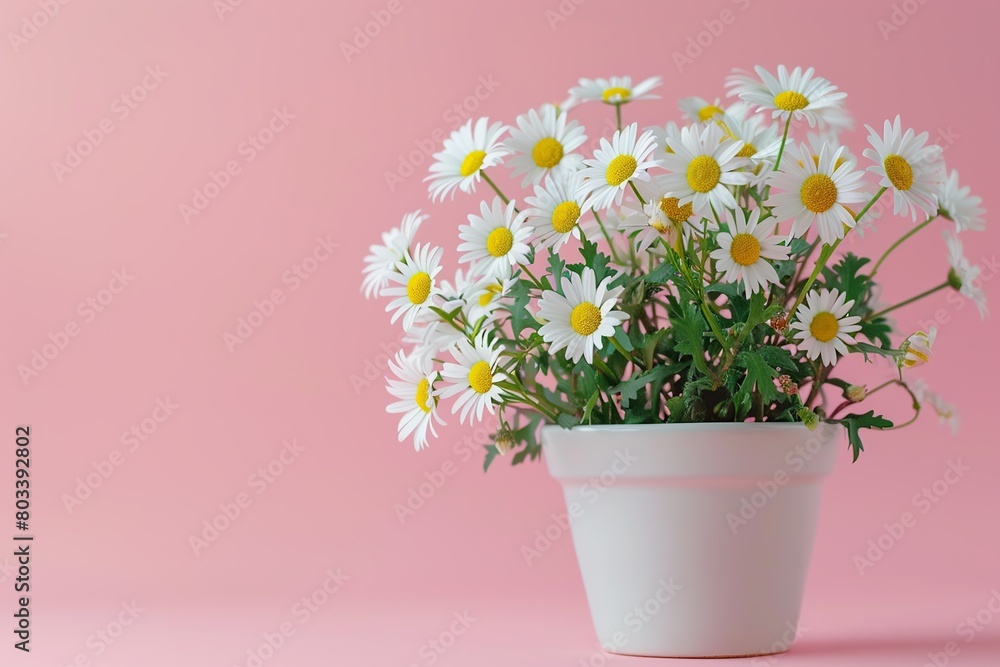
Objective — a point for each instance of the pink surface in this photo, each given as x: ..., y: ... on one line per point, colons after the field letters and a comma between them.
x: 210, y: 79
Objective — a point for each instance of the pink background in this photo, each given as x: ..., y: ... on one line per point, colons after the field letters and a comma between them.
x: 62, y: 236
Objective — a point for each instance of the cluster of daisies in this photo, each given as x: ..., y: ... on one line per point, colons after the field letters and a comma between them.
x: 748, y: 198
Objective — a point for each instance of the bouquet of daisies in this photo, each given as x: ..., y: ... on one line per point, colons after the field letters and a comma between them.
x: 680, y: 273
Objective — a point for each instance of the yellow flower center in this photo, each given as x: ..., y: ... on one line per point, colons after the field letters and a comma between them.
x: 547, y: 153
x: 487, y: 297
x: 585, y: 319
x: 670, y: 208
x: 418, y: 288
x: 706, y: 113
x: 824, y: 327
x: 472, y: 162
x: 790, y: 101
x: 899, y: 171
x: 565, y: 216
x: 480, y: 377
x: 819, y: 193
x: 621, y: 93
x: 703, y: 173
x: 620, y: 169
x: 745, y: 249
x: 499, y: 242
x: 423, y: 395
x: 748, y: 150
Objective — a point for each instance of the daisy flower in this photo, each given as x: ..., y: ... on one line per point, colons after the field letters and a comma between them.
x: 381, y: 260
x: 555, y: 210
x: 473, y: 377
x: 614, y: 164
x: 414, y: 387
x: 495, y: 240
x: 964, y: 274
x: 544, y: 144
x: 616, y: 90
x: 823, y: 326
x: 760, y: 140
x: 918, y: 348
x: 798, y: 93
x: 414, y: 276
x: 702, y: 167
x: 699, y: 111
x: 661, y: 133
x: 468, y: 151
x: 945, y: 411
x: 648, y: 226
x: 959, y: 206
x: 906, y: 164
x: 579, y: 319
x: 486, y: 296
x: 817, y: 193
x: 817, y: 140
x: 744, y: 251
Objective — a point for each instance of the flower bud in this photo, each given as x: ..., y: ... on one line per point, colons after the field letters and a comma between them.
x: 917, y: 349
x: 503, y: 440
x: 779, y: 322
x: 809, y: 418
x: 787, y: 385
x: 856, y: 393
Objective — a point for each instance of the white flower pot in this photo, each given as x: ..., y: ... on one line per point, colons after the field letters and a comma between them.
x: 693, y: 539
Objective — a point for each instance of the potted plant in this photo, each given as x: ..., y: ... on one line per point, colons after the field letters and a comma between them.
x: 664, y: 316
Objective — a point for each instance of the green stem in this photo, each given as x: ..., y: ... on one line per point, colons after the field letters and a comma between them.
x: 636, y: 191
x: 899, y: 242
x: 908, y: 301
x: 493, y: 185
x: 535, y: 280
x: 618, y: 115
x: 784, y: 140
x: 603, y: 367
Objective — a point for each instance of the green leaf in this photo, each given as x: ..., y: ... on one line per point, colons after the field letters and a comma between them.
x: 846, y: 276
x: 629, y: 389
x: 689, y: 328
x: 855, y: 422
x: 491, y: 453
x: 520, y: 316
x: 567, y: 421
x: 661, y: 275
x: 760, y: 376
x: 556, y: 267
x: 622, y: 337
x: 588, y: 407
